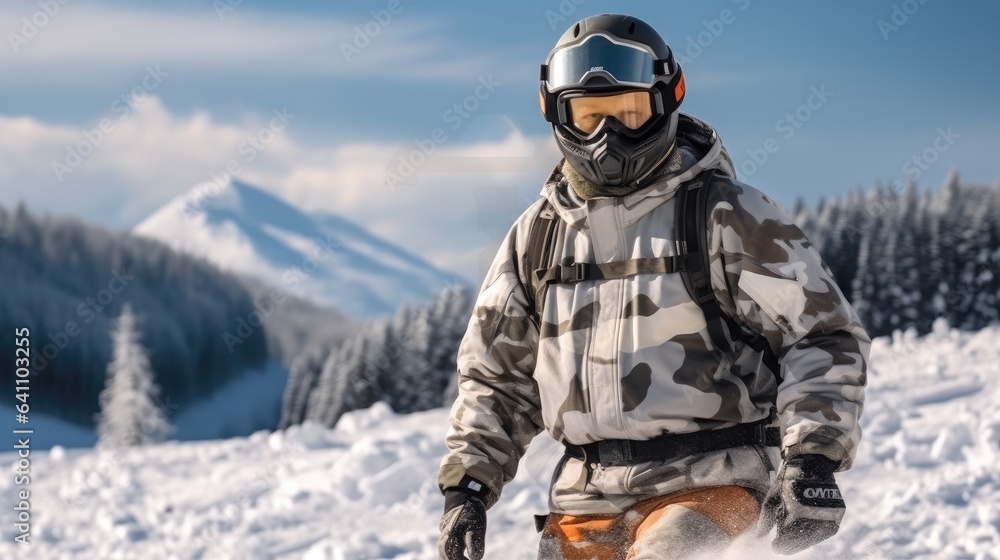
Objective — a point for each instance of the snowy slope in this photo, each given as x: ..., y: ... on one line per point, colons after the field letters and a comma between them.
x: 926, y: 482
x: 323, y: 258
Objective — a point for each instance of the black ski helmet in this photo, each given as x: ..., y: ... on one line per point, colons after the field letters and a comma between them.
x: 605, y: 55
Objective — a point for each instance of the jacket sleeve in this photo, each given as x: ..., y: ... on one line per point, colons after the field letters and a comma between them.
x: 497, y: 411
x: 775, y: 280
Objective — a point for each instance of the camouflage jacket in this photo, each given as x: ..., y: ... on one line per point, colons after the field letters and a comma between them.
x: 631, y: 358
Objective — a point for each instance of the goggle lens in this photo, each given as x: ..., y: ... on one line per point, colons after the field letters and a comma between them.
x: 633, y: 109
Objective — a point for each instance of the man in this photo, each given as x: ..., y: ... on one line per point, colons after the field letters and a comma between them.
x: 660, y: 378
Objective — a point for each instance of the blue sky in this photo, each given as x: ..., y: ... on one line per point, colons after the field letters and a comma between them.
x: 218, y: 75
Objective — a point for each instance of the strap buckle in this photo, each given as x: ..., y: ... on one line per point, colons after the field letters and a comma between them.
x: 572, y: 272
x: 614, y: 452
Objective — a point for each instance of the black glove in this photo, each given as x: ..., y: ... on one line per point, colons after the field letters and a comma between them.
x: 463, y: 527
x: 804, y: 502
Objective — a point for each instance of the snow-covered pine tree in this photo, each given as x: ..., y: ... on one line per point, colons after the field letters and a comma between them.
x: 322, y: 393
x: 944, y: 213
x: 428, y: 338
x: 864, y: 283
x: 129, y: 414
x: 848, y: 226
x: 883, y: 258
x: 905, y: 300
x: 343, y: 394
x: 988, y: 255
x: 414, y: 384
x: 456, y: 311
x: 928, y: 282
x: 453, y: 309
x: 379, y: 360
x: 978, y: 271
x: 302, y: 377
x: 358, y: 378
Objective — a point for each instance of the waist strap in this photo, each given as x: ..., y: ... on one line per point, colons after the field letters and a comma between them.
x: 614, y: 452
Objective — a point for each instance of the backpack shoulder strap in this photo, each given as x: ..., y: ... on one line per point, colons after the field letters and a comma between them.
x: 540, y: 247
x: 691, y: 223
x: 691, y: 216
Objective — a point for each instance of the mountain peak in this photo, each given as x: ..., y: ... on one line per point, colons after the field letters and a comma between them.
x: 323, y: 257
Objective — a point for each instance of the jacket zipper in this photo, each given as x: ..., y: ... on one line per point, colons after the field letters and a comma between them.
x: 616, y: 376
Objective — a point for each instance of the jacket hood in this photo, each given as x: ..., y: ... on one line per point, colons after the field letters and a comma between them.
x: 698, y: 147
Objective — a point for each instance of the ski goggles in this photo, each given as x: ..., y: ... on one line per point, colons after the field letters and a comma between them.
x: 587, y: 112
x: 621, y: 64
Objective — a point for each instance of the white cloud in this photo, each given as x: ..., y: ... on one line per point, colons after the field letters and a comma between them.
x: 83, y: 41
x: 150, y: 156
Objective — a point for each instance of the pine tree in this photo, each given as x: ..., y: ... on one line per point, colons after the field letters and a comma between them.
x: 302, y: 378
x: 352, y: 377
x: 350, y: 390
x: 129, y: 414
x: 905, y: 300
x: 840, y: 250
x: 865, y: 281
x: 944, y: 241
x: 453, y: 309
x: 323, y: 393
x: 980, y: 267
x: 884, y: 213
x: 416, y: 386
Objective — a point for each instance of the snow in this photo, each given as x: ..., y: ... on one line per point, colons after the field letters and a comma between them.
x: 323, y: 258
x: 925, y: 483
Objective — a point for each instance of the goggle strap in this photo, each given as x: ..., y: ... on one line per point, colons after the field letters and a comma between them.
x: 672, y: 92
x: 551, y: 104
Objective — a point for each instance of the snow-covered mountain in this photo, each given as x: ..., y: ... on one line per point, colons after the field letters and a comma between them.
x: 925, y: 483
x: 324, y: 258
